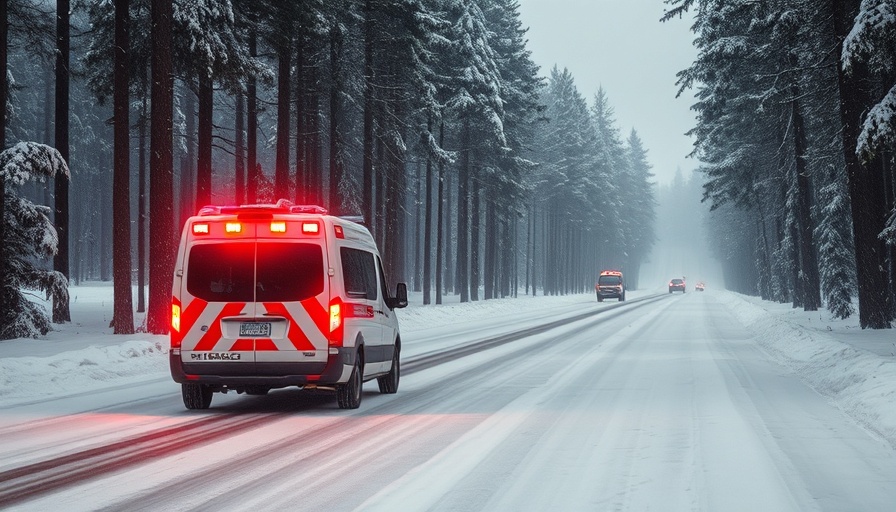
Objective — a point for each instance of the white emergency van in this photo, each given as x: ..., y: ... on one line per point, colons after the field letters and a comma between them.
x: 275, y: 295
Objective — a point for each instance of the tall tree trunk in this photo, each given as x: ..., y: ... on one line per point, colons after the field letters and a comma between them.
x: 206, y: 98
x: 336, y: 170
x: 161, y: 232
x: 141, y: 208
x: 187, y: 178
x: 427, y: 226
x: 61, y: 312
x: 377, y: 224
x: 252, y: 130
x: 301, y: 195
x: 530, y: 225
x: 239, y: 149
x: 865, y: 183
x: 315, y: 142
x: 808, y: 262
x: 440, y: 222
x: 4, y: 46
x: 489, y: 273
x: 123, y: 312
x: 475, y: 231
x: 281, y: 171
x: 418, y: 225
x: 369, y: 78
x: 463, y: 219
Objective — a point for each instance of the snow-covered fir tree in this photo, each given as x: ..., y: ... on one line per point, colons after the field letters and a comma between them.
x: 29, y: 241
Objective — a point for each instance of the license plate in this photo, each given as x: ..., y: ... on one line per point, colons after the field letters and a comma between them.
x: 255, y: 329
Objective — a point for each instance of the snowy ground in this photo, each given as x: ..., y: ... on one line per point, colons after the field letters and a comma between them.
x: 853, y: 368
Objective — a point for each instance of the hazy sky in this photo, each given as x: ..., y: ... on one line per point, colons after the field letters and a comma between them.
x: 622, y: 46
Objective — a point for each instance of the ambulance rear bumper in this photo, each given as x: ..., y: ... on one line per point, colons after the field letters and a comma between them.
x: 274, y: 375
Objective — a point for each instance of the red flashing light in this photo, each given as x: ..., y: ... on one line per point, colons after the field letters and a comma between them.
x: 200, y: 228
x: 278, y: 227
x: 340, y: 233
x: 233, y: 227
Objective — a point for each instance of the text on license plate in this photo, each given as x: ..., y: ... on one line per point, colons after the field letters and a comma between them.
x: 255, y: 329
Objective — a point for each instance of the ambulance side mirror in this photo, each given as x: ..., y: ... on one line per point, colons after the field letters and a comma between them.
x: 400, y: 300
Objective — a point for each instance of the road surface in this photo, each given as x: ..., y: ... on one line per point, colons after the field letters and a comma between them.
x: 659, y: 403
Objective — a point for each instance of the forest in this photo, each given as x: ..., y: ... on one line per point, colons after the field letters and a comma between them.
x: 795, y: 134
x: 478, y: 175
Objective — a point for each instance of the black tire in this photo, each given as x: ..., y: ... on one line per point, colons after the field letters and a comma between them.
x: 388, y: 383
x: 196, y: 396
x: 600, y: 299
x: 257, y: 390
x: 670, y: 290
x: 349, y: 394
x: 622, y: 298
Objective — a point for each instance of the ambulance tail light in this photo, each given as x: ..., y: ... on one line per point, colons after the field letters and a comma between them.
x: 233, y: 227
x: 337, y: 327
x: 200, y: 228
x: 176, y: 336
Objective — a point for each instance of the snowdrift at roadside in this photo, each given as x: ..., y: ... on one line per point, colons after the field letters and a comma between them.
x: 859, y: 382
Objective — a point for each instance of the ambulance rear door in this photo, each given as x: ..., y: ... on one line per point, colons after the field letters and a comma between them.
x: 218, y: 299
x: 291, y: 296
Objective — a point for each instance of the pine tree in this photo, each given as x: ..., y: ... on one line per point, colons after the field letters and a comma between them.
x: 28, y: 239
x: 834, y: 234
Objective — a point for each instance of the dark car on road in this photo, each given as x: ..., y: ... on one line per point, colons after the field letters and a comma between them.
x: 676, y: 285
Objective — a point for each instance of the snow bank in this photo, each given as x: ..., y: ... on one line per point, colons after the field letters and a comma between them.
x: 860, y: 382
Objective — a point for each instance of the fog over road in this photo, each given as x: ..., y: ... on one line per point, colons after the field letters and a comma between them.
x: 658, y: 403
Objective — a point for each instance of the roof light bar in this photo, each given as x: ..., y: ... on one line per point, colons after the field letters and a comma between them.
x: 310, y: 228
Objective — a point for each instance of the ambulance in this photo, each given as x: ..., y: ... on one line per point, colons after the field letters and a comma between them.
x: 275, y: 295
x: 610, y: 285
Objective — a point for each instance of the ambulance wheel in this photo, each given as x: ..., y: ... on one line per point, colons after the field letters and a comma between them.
x: 600, y: 299
x: 622, y: 298
x: 196, y: 396
x: 389, y: 383
x: 349, y: 394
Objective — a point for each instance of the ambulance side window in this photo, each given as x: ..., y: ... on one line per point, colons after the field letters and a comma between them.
x: 383, y: 284
x: 359, y: 273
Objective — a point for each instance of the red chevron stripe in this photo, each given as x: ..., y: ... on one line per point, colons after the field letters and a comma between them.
x: 213, y: 335
x: 295, y: 334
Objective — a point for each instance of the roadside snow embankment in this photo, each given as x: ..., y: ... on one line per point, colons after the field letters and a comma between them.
x: 33, y: 377
x: 860, y: 382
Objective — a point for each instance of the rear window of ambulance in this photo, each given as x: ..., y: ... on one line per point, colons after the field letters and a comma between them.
x: 289, y: 272
x: 609, y: 280
x: 227, y: 272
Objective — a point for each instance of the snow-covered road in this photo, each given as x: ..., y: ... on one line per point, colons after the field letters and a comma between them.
x: 655, y: 405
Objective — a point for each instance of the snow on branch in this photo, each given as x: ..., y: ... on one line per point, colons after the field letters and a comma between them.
x: 869, y: 37
x: 889, y: 233
x: 879, y: 128
x: 31, y: 161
